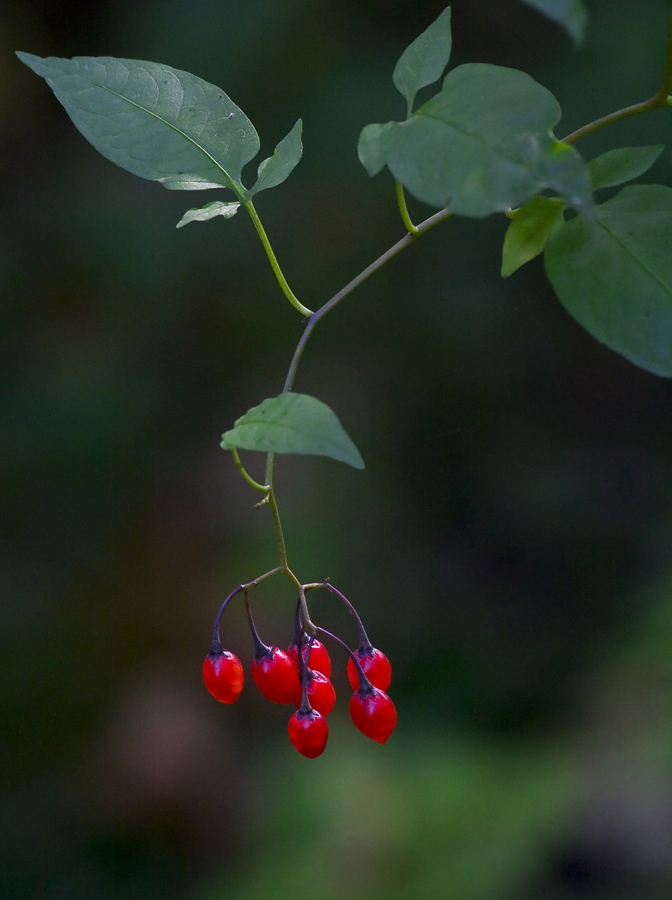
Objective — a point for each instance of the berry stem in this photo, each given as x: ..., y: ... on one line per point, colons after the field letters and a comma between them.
x: 260, y: 648
x: 216, y: 642
x: 306, y: 708
x: 365, y: 645
x: 365, y: 686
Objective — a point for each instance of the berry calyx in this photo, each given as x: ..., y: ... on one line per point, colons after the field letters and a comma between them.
x: 223, y: 675
x: 373, y: 713
x: 321, y: 693
x: 275, y: 675
x: 376, y: 667
x: 308, y: 732
x: 319, y: 656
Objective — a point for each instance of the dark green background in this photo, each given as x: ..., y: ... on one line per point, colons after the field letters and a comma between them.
x: 508, y: 544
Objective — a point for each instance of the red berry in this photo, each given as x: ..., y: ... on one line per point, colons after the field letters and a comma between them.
x: 276, y: 676
x: 319, y: 657
x: 223, y: 675
x: 321, y: 693
x: 376, y: 667
x: 374, y: 714
x: 308, y: 732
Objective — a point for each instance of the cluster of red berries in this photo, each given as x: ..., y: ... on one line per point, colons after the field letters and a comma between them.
x: 300, y: 676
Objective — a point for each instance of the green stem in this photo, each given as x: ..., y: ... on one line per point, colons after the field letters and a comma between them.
x: 659, y: 99
x: 315, y: 317
x: 634, y: 110
x: 248, y: 478
x: 403, y: 209
x: 282, y: 281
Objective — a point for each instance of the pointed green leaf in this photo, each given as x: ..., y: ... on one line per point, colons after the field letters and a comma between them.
x: 274, y: 170
x: 293, y: 423
x: 155, y: 121
x: 481, y: 145
x: 423, y: 62
x: 529, y: 231
x: 572, y: 15
x: 618, y: 166
x: 209, y: 211
x: 613, y: 273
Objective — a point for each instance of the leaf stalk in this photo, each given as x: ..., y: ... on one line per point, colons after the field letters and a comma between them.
x: 282, y: 281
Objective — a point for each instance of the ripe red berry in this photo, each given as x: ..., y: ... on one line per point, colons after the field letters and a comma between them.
x: 223, y: 675
x: 376, y: 667
x: 319, y: 657
x: 373, y: 713
x: 276, y: 676
x: 321, y: 693
x: 308, y: 732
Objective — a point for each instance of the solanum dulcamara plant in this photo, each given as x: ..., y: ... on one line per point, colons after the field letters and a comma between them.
x: 482, y: 145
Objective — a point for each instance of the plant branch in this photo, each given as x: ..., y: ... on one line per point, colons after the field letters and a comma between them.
x: 282, y: 281
x: 659, y: 99
x: 315, y: 317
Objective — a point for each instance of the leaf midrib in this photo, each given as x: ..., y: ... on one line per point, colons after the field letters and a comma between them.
x: 236, y: 185
x: 636, y: 258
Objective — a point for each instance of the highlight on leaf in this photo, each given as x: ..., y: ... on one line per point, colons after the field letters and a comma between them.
x: 209, y: 211
x: 529, y: 230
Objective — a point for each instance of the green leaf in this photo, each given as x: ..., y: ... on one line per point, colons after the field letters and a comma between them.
x: 481, y: 145
x: 293, y: 423
x: 155, y: 121
x: 618, y: 166
x: 423, y: 62
x: 529, y: 231
x: 571, y: 14
x: 613, y: 273
x: 209, y: 211
x: 371, y: 146
x: 274, y: 170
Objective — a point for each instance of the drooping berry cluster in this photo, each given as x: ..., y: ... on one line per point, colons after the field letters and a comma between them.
x: 300, y: 675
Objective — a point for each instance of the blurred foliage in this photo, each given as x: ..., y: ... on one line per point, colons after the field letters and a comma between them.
x: 507, y: 544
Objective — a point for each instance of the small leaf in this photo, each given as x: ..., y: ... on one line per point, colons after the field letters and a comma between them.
x: 423, y: 62
x: 572, y: 15
x: 293, y: 423
x: 618, y: 166
x: 274, y: 170
x: 155, y: 121
x: 529, y: 231
x: 613, y: 273
x: 481, y: 145
x: 209, y: 211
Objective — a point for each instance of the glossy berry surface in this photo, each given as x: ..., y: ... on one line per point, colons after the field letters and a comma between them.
x: 376, y: 667
x: 308, y: 732
x: 276, y: 676
x: 223, y: 676
x: 321, y: 693
x: 374, y: 714
x: 319, y: 657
